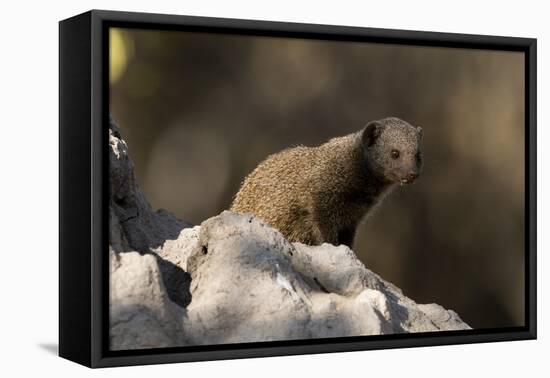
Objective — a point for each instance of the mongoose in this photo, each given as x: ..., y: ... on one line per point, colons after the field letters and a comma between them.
x: 316, y: 195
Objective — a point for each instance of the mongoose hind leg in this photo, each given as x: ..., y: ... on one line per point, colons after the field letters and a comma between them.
x: 306, y: 233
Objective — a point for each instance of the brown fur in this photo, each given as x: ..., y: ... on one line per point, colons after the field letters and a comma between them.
x: 314, y: 195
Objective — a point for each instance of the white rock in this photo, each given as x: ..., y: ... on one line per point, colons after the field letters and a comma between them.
x: 250, y: 284
x: 141, y: 315
x: 235, y: 279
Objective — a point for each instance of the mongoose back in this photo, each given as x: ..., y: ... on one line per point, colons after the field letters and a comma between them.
x: 316, y: 195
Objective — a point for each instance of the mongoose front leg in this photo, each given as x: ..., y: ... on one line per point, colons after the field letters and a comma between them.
x: 346, y: 236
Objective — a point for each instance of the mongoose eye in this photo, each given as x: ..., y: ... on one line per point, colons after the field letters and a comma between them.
x: 394, y: 154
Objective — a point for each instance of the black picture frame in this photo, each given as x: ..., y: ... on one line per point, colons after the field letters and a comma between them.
x: 83, y: 207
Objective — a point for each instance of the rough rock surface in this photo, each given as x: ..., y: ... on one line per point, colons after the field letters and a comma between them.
x: 235, y: 279
x: 142, y: 315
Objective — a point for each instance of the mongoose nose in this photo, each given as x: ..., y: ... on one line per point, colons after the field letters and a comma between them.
x: 413, y: 175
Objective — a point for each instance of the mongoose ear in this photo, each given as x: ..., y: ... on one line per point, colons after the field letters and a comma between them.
x: 420, y: 132
x: 371, y: 132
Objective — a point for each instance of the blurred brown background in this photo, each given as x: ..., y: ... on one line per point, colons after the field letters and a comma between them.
x: 200, y: 111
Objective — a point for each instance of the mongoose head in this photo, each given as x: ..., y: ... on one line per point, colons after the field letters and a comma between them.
x: 392, y: 150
